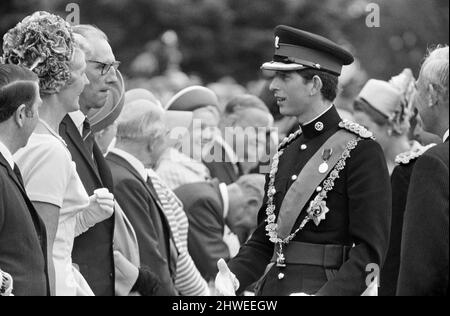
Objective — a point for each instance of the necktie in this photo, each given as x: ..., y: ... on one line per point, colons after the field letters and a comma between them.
x: 88, y: 137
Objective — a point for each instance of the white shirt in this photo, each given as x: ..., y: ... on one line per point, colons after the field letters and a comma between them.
x: 225, y: 198
x: 446, y: 135
x: 133, y: 161
x: 78, y: 119
x: 7, y: 154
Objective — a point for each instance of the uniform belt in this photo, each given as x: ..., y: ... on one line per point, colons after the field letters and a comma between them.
x: 326, y: 256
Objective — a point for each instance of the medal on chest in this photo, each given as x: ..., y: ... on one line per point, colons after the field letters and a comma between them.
x: 326, y: 154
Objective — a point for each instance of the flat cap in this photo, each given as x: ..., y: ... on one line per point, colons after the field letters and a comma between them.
x: 297, y: 49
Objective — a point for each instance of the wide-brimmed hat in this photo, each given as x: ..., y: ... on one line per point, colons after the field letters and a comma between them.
x: 192, y: 98
x: 381, y: 96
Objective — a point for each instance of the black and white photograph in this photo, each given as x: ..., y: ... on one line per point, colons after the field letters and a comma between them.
x: 228, y: 155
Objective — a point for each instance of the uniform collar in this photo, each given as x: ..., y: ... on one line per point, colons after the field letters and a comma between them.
x: 445, y: 136
x: 7, y: 155
x: 324, y: 122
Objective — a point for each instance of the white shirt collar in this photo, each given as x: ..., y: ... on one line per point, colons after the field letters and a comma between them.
x: 226, y: 199
x: 137, y: 165
x: 7, y: 154
x: 78, y: 119
x: 446, y: 135
x: 310, y: 121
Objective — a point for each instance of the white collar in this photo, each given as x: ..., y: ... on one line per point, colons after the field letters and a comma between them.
x: 137, y: 165
x: 226, y: 199
x: 7, y: 154
x: 229, y: 151
x: 445, y: 136
x: 78, y: 119
x: 310, y: 121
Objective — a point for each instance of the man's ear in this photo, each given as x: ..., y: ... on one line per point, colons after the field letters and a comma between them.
x: 316, y: 85
x: 20, y: 115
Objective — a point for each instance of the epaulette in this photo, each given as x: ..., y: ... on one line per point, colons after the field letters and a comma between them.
x: 406, y: 157
x: 357, y: 129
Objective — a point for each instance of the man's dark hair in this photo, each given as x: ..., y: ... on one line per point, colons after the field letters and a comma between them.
x: 329, y: 82
x: 17, y: 87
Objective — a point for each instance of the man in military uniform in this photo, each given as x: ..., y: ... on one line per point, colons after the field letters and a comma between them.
x: 326, y: 214
x: 400, y: 179
x: 424, y: 257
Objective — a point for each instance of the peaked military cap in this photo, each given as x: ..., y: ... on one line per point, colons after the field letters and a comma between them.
x: 297, y: 49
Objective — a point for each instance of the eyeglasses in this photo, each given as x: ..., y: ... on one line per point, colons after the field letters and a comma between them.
x: 106, y: 67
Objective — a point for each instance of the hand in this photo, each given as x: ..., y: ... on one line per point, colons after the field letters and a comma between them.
x: 226, y: 282
x: 6, y: 284
x: 101, y: 207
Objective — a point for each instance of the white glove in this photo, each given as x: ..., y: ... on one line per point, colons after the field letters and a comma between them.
x: 6, y: 284
x: 226, y: 282
x: 101, y: 207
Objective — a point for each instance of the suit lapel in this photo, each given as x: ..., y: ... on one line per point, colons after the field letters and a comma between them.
x: 69, y: 131
x: 11, y: 174
x: 122, y: 162
x: 37, y: 221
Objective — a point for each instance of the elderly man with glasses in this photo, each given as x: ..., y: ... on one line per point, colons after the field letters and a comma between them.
x: 93, y: 250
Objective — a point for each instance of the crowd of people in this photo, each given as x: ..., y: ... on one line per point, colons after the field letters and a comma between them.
x: 111, y: 191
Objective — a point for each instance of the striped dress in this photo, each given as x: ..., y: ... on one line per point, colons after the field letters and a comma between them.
x: 189, y: 281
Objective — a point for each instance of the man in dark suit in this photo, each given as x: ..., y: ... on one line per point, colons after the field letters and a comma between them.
x: 135, y: 192
x: 424, y: 261
x: 93, y: 250
x: 22, y: 232
x: 240, y: 147
x: 326, y: 215
x: 212, y: 205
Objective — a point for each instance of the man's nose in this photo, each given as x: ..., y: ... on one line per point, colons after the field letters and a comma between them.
x: 274, y: 85
x: 111, y: 76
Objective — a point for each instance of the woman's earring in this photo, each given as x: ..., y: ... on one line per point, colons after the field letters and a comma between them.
x: 389, y: 132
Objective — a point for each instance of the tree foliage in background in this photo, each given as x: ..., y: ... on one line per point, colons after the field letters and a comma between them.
x: 233, y: 37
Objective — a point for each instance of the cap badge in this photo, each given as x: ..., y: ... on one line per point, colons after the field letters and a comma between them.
x: 277, y: 42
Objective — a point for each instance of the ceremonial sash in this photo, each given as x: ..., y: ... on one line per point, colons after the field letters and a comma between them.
x: 308, y: 180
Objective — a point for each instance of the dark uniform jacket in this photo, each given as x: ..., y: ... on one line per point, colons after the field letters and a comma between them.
x: 142, y: 207
x: 203, y: 205
x: 400, y: 179
x: 360, y: 210
x: 93, y: 250
x: 23, y: 241
x: 424, y: 249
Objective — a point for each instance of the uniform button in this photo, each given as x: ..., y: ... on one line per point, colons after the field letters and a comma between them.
x: 319, y: 189
x: 303, y: 147
x: 294, y: 177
